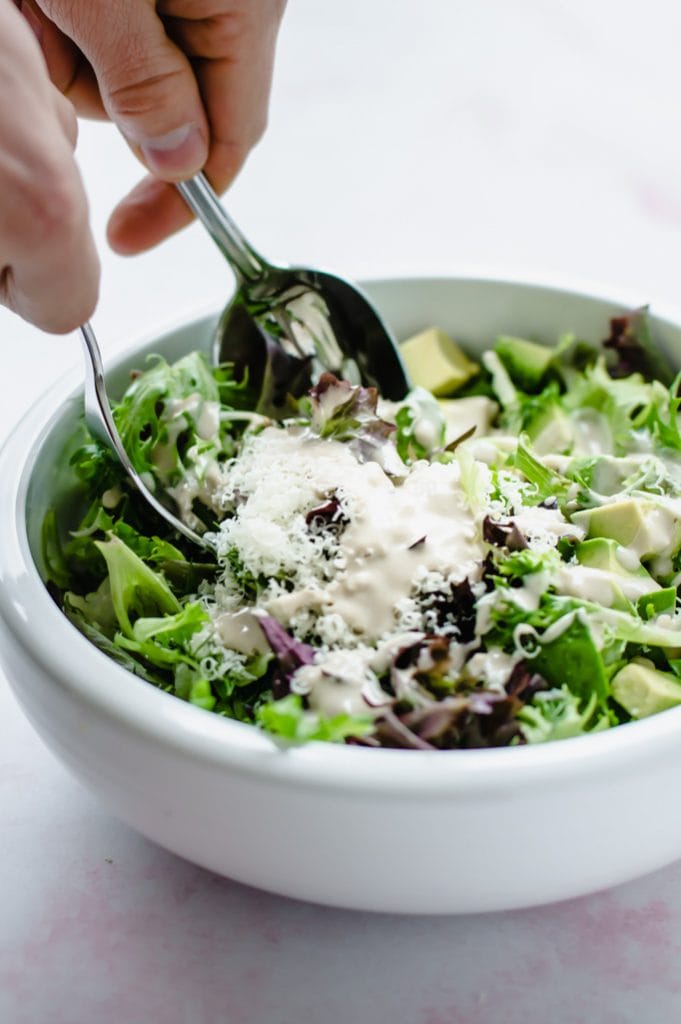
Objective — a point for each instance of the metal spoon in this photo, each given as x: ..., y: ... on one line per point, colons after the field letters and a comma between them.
x: 309, y: 319
x: 100, y: 422
x: 290, y: 324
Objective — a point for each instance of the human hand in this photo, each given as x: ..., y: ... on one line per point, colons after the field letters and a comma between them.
x: 186, y: 81
x: 49, y: 273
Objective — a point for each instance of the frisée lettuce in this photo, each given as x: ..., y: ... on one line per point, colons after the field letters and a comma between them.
x: 491, y: 567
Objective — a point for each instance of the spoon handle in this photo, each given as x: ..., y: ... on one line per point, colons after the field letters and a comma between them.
x: 98, y: 415
x: 199, y: 196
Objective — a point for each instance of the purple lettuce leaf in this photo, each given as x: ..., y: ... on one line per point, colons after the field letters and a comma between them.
x: 346, y: 412
x: 502, y: 533
x: 631, y: 341
x: 290, y: 654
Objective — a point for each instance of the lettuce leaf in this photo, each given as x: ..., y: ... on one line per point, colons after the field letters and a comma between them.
x: 142, y: 414
x: 631, y: 342
x: 164, y: 640
x: 558, y: 714
x: 289, y: 719
x: 136, y: 590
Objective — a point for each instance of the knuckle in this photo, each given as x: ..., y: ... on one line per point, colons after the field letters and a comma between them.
x: 53, y: 203
x: 137, y: 92
x: 220, y: 33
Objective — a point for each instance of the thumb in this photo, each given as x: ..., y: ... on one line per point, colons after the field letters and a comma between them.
x: 146, y: 83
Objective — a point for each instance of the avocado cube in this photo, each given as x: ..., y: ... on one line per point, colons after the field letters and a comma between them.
x: 435, y: 362
x: 644, y: 527
x: 643, y: 690
x: 603, y: 553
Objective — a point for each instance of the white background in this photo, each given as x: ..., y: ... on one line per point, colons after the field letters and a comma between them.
x: 538, y: 138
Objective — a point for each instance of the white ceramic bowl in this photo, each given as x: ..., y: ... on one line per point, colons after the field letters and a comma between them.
x: 433, y: 832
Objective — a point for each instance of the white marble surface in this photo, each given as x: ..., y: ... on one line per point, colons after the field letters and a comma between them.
x: 538, y: 138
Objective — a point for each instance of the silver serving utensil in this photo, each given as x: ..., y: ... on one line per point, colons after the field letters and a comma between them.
x: 282, y: 325
x: 101, y: 424
x: 290, y: 324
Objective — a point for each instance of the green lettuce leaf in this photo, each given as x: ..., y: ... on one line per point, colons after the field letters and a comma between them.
x: 136, y: 590
x: 289, y: 719
x: 164, y: 640
x: 558, y: 714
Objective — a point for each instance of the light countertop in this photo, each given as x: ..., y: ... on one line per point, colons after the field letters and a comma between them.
x: 537, y: 139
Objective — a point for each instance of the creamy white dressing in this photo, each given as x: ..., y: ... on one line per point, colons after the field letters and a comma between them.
x: 175, y: 407
x: 602, y: 586
x: 592, y: 432
x: 341, y: 682
x: 111, y: 497
x: 396, y: 536
x: 208, y: 420
x: 543, y: 527
x: 204, y: 483
x: 427, y: 434
x: 493, y: 667
x: 534, y: 585
x: 241, y: 631
x: 164, y: 454
x: 204, y: 478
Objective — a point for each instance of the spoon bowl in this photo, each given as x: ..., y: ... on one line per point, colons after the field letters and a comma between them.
x: 285, y: 326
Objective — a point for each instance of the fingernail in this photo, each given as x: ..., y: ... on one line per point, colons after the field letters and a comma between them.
x: 181, y: 151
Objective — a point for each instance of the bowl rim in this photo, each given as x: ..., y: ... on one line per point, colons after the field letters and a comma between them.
x: 102, y: 687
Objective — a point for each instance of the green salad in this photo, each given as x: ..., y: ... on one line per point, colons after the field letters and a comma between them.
x: 493, y: 561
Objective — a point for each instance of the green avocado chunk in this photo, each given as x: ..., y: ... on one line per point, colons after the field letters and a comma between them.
x: 644, y: 527
x: 614, y: 566
x: 435, y: 362
x: 643, y: 690
x: 604, y: 553
x: 526, y: 361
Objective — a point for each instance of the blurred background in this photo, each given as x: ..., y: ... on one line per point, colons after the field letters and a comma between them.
x: 533, y: 139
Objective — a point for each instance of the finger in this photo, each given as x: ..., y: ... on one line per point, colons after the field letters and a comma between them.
x: 154, y: 210
x: 49, y: 271
x: 233, y: 48
x: 235, y: 89
x: 150, y: 213
x: 146, y: 83
x: 68, y: 69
